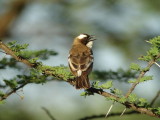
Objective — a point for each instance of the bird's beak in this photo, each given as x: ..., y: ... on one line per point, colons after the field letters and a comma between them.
x: 92, y: 38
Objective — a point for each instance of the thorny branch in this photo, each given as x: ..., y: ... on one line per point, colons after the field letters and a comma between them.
x: 110, y: 115
x: 140, y: 76
x: 127, y: 104
x: 119, y: 114
x: 12, y: 91
x: 92, y: 90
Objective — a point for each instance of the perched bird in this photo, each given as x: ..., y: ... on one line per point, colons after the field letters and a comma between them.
x: 80, y: 60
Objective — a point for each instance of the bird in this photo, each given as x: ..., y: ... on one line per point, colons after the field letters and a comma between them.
x: 80, y: 60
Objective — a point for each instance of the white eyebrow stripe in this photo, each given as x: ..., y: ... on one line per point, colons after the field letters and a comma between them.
x: 81, y: 36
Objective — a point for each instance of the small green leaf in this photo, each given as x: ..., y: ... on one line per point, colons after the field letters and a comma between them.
x: 145, y: 69
x: 11, y: 83
x: 116, y: 91
x: 156, y: 110
x: 142, y: 102
x: 146, y: 78
x: 33, y: 60
x: 123, y: 99
x: 134, y: 66
x: 11, y: 43
x: 106, y: 85
x: 132, y: 98
x: 86, y: 93
x: 153, y: 51
x: 95, y: 84
x: 132, y: 81
x: 145, y: 58
x: 83, y: 94
x: 110, y: 98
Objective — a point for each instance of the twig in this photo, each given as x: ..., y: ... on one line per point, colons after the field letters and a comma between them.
x: 12, y: 53
x: 138, y: 79
x: 110, y: 115
x: 48, y: 113
x: 155, y: 98
x: 12, y: 91
x: 142, y: 73
x: 157, y: 64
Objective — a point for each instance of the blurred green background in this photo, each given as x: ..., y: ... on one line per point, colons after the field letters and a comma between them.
x: 121, y: 28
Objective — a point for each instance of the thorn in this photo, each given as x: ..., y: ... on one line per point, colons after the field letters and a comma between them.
x: 147, y: 41
x: 22, y: 97
x: 123, y: 112
x: 21, y: 90
x: 110, y: 109
x: 157, y: 64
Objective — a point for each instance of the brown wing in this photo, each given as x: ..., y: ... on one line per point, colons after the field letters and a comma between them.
x: 81, y: 61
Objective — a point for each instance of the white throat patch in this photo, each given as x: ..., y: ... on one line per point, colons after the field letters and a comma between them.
x: 81, y: 36
x: 89, y: 44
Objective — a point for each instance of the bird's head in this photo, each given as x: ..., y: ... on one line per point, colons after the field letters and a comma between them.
x: 85, y: 39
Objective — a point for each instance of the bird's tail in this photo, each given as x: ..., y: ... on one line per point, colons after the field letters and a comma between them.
x: 82, y: 82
